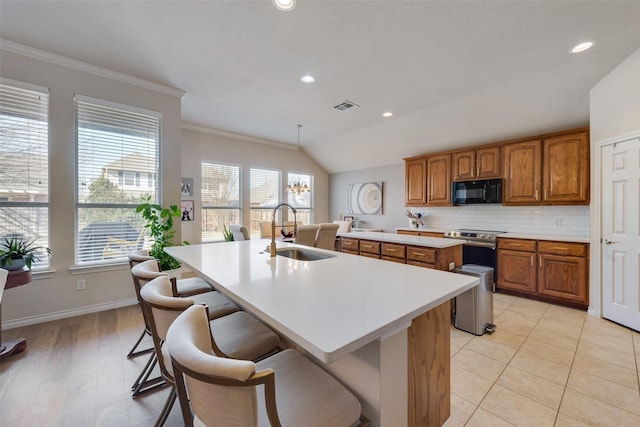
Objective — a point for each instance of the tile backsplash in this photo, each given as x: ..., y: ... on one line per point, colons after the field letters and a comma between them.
x: 560, y: 220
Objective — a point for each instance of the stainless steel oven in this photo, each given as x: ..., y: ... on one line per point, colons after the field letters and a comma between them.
x: 479, y: 248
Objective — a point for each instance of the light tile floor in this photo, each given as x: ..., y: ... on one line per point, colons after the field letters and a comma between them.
x: 545, y: 365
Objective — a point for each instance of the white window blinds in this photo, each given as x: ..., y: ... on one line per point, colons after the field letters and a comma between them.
x: 118, y: 166
x: 220, y: 196
x: 24, y: 165
x: 265, y: 189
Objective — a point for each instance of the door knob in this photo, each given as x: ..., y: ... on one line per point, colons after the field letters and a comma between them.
x: 607, y: 241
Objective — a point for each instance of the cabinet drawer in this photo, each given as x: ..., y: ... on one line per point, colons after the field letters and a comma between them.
x: 349, y: 244
x: 517, y: 244
x: 369, y: 247
x: 418, y: 253
x: 409, y: 233
x: 430, y: 234
x: 394, y: 259
x: 562, y: 248
x: 370, y: 255
x: 421, y: 264
x: 393, y: 250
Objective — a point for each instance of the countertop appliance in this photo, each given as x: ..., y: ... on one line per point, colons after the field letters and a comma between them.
x: 476, y: 192
x: 479, y: 247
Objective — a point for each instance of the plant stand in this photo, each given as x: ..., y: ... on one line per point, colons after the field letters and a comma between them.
x: 14, y: 279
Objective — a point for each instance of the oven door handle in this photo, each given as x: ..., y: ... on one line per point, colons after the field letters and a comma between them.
x: 489, y: 245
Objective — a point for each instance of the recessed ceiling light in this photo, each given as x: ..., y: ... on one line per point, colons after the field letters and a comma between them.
x: 581, y: 47
x: 285, y: 5
x: 387, y: 114
x: 308, y: 79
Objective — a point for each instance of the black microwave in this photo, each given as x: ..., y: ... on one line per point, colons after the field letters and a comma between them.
x: 476, y: 192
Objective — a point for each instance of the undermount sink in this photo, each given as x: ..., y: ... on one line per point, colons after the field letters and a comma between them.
x: 303, y: 254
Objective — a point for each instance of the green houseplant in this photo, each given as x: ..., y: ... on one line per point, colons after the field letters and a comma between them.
x: 17, y: 251
x: 159, y: 221
x: 228, y: 235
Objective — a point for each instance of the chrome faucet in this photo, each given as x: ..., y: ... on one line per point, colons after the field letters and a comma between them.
x: 273, y: 225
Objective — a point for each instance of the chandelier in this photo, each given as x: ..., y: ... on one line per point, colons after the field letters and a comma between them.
x: 298, y: 186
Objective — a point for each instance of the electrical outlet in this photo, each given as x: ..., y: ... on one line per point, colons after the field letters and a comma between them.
x: 81, y: 284
x: 452, y: 266
x: 557, y: 222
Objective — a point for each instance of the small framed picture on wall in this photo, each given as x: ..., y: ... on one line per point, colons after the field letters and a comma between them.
x: 186, y: 187
x: 186, y: 207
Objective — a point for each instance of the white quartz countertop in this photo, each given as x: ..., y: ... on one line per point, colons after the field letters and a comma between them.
x: 558, y: 238
x: 329, y: 307
x: 432, y: 242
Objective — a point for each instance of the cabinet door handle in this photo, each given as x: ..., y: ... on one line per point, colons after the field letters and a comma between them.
x: 391, y: 250
x: 531, y: 260
x: 540, y: 261
x: 418, y: 254
x: 515, y: 244
x: 537, y: 193
x: 473, y: 171
x: 545, y: 194
x: 560, y: 248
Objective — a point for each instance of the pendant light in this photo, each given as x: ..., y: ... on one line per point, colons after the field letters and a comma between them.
x: 297, y: 186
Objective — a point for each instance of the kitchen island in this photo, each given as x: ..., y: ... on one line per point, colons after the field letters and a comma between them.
x: 382, y: 328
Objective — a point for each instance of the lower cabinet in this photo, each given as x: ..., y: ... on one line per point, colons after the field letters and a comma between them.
x: 547, y: 270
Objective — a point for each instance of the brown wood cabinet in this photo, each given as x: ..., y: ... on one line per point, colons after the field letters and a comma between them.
x: 423, y: 256
x: 350, y: 246
x: 481, y: 163
x: 370, y: 248
x: 439, y: 180
x: 416, y: 181
x: 393, y: 252
x: 551, y: 171
x: 565, y: 169
x: 522, y: 173
x: 548, y: 270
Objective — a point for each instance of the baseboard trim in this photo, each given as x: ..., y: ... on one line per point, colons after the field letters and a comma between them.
x: 42, y: 318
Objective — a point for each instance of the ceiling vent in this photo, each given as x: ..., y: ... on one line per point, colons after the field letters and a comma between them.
x: 346, y: 105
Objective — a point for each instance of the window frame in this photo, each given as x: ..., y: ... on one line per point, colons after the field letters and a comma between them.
x: 254, y: 224
x: 204, y: 208
x: 43, y: 239
x: 154, y: 190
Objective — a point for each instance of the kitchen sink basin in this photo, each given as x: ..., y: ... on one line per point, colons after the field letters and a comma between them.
x: 303, y: 254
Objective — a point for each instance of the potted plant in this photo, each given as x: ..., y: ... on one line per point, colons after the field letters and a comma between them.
x: 228, y: 235
x: 17, y: 251
x: 159, y: 221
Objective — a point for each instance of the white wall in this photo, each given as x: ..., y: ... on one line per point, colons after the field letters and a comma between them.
x: 553, y: 220
x: 215, y: 147
x: 55, y: 295
x: 614, y: 113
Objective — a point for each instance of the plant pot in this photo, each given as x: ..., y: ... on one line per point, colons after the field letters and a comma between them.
x: 176, y: 272
x: 413, y: 222
x: 16, y: 264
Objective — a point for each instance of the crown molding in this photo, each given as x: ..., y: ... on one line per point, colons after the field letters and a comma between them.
x: 242, y: 137
x: 31, y: 52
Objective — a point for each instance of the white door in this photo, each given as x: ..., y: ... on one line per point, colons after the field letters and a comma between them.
x: 621, y: 232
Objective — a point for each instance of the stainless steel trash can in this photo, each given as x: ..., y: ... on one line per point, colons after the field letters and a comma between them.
x: 474, y: 308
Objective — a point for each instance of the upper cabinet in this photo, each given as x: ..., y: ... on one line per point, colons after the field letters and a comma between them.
x: 416, y: 181
x: 551, y: 171
x: 565, y: 169
x: 439, y: 180
x: 481, y: 163
x: 522, y: 173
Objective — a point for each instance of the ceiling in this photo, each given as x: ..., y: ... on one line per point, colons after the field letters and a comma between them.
x: 454, y: 74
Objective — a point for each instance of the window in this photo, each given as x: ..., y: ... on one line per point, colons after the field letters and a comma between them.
x: 117, y: 163
x: 220, y: 199
x: 24, y: 164
x: 265, y: 195
x: 301, y: 201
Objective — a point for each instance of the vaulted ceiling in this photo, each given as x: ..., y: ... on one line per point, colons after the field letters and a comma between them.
x: 453, y: 73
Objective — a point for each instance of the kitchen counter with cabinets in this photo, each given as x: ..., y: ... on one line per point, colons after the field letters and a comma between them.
x: 414, y: 249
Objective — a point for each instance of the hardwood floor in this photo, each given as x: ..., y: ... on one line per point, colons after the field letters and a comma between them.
x: 545, y: 366
x: 75, y: 373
